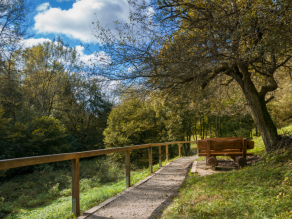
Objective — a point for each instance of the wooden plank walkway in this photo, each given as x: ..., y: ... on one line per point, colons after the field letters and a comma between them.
x: 148, y: 198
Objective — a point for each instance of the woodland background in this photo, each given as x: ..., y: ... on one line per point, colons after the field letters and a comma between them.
x: 52, y: 102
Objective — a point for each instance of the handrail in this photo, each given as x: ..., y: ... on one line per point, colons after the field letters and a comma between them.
x: 74, y: 157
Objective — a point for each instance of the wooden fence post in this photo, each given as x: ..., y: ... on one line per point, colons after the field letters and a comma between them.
x: 150, y: 159
x: 75, y: 187
x: 166, y: 149
x: 179, y: 150
x: 159, y: 156
x: 128, y: 169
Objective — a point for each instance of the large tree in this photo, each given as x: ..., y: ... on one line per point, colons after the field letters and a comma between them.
x: 13, y: 23
x: 46, y: 70
x: 10, y: 86
x: 180, y: 44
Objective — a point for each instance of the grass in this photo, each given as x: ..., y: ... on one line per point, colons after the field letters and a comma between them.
x: 47, y: 194
x: 263, y: 190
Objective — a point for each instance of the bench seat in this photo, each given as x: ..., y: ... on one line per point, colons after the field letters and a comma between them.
x: 224, y: 153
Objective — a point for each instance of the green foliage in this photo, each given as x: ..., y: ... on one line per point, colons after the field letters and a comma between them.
x: 47, y: 106
x: 153, y: 120
x: 47, y: 67
x: 84, y: 113
x: 239, y: 126
x: 133, y: 122
x: 3, y: 124
x: 41, y: 136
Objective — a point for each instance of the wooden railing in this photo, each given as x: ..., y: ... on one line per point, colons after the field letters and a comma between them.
x: 74, y: 157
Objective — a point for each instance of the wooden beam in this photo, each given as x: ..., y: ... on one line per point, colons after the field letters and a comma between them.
x: 179, y: 149
x: 27, y: 161
x: 159, y: 156
x: 225, y: 153
x: 166, y: 150
x: 128, y: 169
x: 150, y: 159
x: 75, y: 187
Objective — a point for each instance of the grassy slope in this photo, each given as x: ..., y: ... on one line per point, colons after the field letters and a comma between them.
x: 261, y: 191
x: 61, y: 207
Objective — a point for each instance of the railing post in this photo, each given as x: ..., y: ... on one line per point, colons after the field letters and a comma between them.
x: 128, y: 169
x: 159, y: 156
x: 179, y: 150
x: 166, y: 149
x: 150, y: 159
x: 75, y: 187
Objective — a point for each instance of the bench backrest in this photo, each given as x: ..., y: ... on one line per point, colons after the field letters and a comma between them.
x: 220, y: 144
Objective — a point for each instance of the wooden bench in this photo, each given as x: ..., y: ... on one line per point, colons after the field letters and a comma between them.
x: 235, y: 147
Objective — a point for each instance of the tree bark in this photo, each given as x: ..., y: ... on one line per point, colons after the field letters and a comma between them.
x: 210, y: 127
x: 216, y: 127
x: 196, y: 129
x: 258, y: 108
x: 219, y: 125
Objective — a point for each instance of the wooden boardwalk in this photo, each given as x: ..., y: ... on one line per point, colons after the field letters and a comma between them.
x: 148, y: 198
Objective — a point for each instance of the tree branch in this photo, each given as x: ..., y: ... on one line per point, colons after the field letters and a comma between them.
x: 213, y: 75
x: 228, y: 82
x: 290, y: 117
x: 268, y: 88
x: 268, y: 100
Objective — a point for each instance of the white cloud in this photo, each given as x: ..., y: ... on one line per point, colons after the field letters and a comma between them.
x: 43, y: 7
x: 76, y: 21
x: 33, y: 42
x: 96, y: 58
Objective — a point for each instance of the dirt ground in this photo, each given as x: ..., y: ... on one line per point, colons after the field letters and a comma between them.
x: 223, y: 166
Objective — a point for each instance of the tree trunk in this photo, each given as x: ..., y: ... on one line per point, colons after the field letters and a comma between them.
x: 210, y: 127
x: 207, y: 132
x: 262, y: 118
x: 259, y: 111
x: 216, y: 127
x: 196, y: 130
x: 201, y: 127
x: 219, y: 128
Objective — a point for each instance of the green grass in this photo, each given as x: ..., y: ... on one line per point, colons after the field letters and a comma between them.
x: 263, y: 190
x: 57, y: 203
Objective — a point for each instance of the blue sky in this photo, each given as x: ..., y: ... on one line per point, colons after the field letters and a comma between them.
x: 72, y: 20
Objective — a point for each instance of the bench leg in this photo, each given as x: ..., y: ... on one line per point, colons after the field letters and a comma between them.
x: 212, y: 161
x: 241, y: 161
